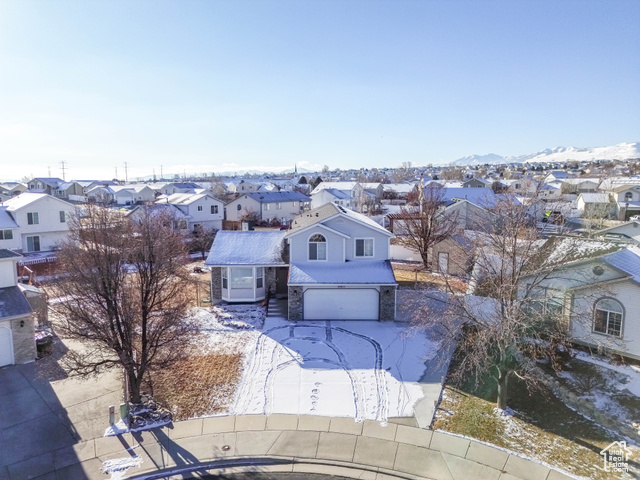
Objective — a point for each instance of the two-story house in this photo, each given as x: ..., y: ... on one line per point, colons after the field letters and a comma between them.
x: 280, y: 206
x: 41, y: 222
x: 201, y: 210
x: 56, y: 187
x: 132, y: 194
x: 17, y: 322
x: 338, y: 266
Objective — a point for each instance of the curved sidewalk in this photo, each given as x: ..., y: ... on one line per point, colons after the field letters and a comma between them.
x: 292, y: 443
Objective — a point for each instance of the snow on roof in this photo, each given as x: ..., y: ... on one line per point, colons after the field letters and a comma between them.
x: 51, y: 181
x: 181, y: 198
x: 344, y: 186
x: 273, y: 197
x: 24, y: 199
x: 339, y: 194
x: 247, y: 248
x: 483, y: 197
x: 329, y: 210
x: 6, y: 220
x: 354, y: 272
x: 627, y: 260
x: 13, y: 303
x: 595, y: 197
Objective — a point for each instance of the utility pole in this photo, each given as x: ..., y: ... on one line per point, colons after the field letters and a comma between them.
x: 126, y: 173
x: 161, y: 176
x: 49, y: 169
x: 116, y: 177
x: 63, y: 171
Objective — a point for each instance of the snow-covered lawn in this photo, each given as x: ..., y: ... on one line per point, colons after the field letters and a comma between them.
x: 363, y: 370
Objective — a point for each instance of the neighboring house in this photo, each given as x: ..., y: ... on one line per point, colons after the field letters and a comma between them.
x: 178, y: 218
x: 338, y: 266
x: 280, y: 206
x: 41, y: 220
x: 595, y: 205
x: 625, y: 232
x: 56, y: 187
x: 17, y: 322
x: 556, y: 175
x: 477, y: 183
x: 580, y: 185
x: 12, y: 188
x: 100, y: 194
x: 9, y: 233
x: 453, y: 255
x: 133, y: 194
x: 330, y: 195
x: 362, y: 195
x: 600, y: 300
x: 397, y: 190
x: 627, y: 199
x: 201, y: 210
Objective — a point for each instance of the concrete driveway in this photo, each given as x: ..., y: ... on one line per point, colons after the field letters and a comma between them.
x: 43, y: 410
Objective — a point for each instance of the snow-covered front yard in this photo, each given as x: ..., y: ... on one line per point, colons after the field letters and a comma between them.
x: 363, y: 370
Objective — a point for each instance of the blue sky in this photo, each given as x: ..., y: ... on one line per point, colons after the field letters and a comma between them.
x: 201, y: 86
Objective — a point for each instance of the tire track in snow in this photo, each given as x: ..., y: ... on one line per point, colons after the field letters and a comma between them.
x: 382, y: 391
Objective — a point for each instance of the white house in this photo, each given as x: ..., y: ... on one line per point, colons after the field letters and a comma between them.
x: 201, y: 210
x: 330, y: 195
x: 133, y: 194
x: 41, y: 221
x: 595, y: 204
x: 17, y: 329
x: 625, y: 232
x: 280, y: 206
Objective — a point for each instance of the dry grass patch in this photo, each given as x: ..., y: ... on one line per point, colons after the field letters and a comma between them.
x: 545, y: 430
x: 414, y: 275
x: 199, y: 385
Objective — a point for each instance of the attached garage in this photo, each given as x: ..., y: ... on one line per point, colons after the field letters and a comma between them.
x: 6, y: 345
x: 341, y: 304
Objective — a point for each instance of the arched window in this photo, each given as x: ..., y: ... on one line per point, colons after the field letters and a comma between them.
x: 608, y: 317
x: 317, y: 247
x: 239, y: 207
x: 628, y: 197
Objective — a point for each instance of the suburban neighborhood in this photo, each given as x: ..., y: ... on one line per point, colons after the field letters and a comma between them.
x: 356, y: 307
x: 319, y: 240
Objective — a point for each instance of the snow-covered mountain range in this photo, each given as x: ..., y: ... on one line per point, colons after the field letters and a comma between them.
x: 622, y: 151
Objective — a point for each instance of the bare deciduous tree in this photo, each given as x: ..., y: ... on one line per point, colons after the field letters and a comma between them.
x: 425, y: 225
x: 517, y: 308
x: 124, y: 294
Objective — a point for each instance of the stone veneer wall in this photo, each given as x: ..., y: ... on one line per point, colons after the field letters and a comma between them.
x: 296, y: 306
x: 216, y: 285
x: 387, y: 304
x: 24, y: 340
x: 270, y: 279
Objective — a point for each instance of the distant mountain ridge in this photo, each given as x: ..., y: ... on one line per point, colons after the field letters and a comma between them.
x: 622, y: 151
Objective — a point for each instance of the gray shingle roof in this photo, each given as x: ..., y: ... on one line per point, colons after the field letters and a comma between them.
x: 273, y: 197
x: 13, y: 303
x: 330, y: 273
x: 4, y: 253
x: 247, y: 248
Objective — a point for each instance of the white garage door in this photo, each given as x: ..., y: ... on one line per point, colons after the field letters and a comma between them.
x: 6, y: 350
x: 341, y: 304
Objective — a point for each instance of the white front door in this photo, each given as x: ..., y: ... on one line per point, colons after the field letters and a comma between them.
x: 341, y: 304
x: 443, y: 262
x: 6, y: 346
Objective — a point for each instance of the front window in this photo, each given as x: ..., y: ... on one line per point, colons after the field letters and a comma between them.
x: 214, y: 209
x: 241, y: 277
x: 32, y: 218
x: 317, y: 247
x: 63, y: 216
x: 608, y: 317
x: 628, y: 197
x: 278, y: 206
x: 6, y: 235
x: 199, y: 208
x: 225, y: 282
x: 33, y: 244
x: 259, y: 277
x: 239, y: 207
x: 364, y: 247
